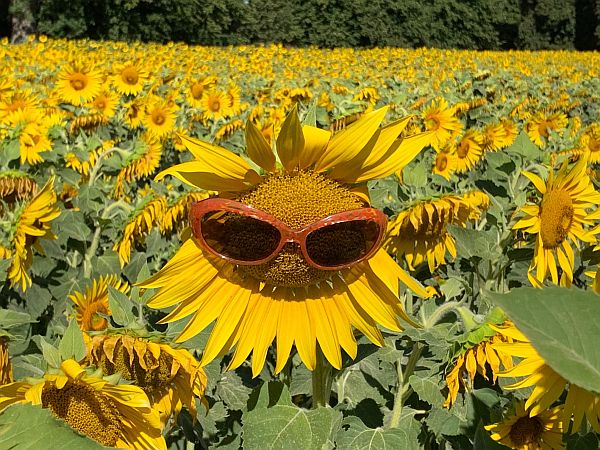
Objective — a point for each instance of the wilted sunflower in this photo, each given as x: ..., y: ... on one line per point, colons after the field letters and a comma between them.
x: 525, y: 431
x: 129, y: 78
x: 6, y: 373
x: 78, y: 84
x: 177, y: 213
x: 143, y: 160
x: 32, y: 222
x: 114, y: 415
x: 419, y: 234
x: 141, y: 221
x: 548, y: 385
x: 287, y: 298
x: 440, y: 119
x: 559, y: 217
x: 16, y: 186
x: 171, y: 377
x: 476, y: 359
x: 94, y: 301
x: 494, y: 137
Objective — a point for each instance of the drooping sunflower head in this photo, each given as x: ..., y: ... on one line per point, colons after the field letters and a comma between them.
x: 312, y: 175
x: 16, y: 186
x: 6, y: 373
x: 114, y: 415
x: 93, y: 303
x: 170, y: 377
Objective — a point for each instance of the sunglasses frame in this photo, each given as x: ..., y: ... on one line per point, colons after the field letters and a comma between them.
x: 199, y: 209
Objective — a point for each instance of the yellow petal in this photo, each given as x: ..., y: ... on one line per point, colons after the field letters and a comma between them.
x: 290, y: 141
x: 315, y: 143
x: 536, y: 180
x: 258, y: 148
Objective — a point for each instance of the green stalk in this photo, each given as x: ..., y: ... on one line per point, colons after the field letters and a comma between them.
x: 321, y: 381
x: 402, y: 383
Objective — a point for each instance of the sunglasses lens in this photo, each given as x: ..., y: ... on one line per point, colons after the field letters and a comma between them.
x: 239, y: 237
x: 342, y: 243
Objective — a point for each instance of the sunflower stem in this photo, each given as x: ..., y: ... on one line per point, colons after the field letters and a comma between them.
x: 402, y: 384
x: 321, y: 381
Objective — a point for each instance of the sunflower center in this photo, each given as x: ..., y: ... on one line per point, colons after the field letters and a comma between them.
x: 526, y: 431
x: 158, y: 117
x: 556, y: 217
x: 299, y: 200
x: 154, y: 376
x: 101, y: 103
x: 463, y: 149
x: 85, y: 410
x: 197, y: 90
x: 441, y: 162
x: 78, y: 81
x: 594, y: 145
x: 90, y: 320
x: 130, y: 75
x: 215, y: 105
x: 432, y: 123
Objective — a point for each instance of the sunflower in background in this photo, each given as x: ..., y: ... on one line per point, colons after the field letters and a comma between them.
x: 197, y: 89
x: 539, y: 125
x: 440, y: 119
x: 129, y: 78
x: 115, y: 415
x: 30, y: 222
x: 6, y: 373
x: 78, y: 84
x: 286, y: 298
x: 445, y: 163
x: 469, y: 151
x: 104, y: 104
x: 16, y: 186
x: 521, y: 430
x: 159, y: 119
x: 559, y: 220
x: 172, y: 378
x: 419, y: 234
x: 90, y: 304
x: 547, y: 385
x: 216, y: 105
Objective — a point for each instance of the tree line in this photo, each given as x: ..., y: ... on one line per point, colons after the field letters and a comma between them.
x: 469, y: 24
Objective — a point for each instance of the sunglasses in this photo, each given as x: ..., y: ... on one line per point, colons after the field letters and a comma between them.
x: 244, y: 235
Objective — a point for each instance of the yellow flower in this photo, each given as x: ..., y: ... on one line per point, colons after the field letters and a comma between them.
x: 476, y: 359
x: 171, y: 377
x: 144, y: 159
x: 286, y: 299
x: 134, y: 113
x: 445, y: 164
x: 78, y: 85
x: 590, y: 142
x: 129, y: 78
x: 175, y: 216
x: 16, y: 186
x: 468, y: 151
x: 114, y: 415
x: 105, y: 104
x: 228, y: 129
x: 6, y: 373
x: 548, y: 385
x: 32, y: 224
x: 559, y: 217
x: 94, y: 301
x: 197, y: 89
x: 439, y: 118
x: 419, y: 233
x: 160, y: 118
x: 541, y: 123
x: 216, y: 105
x: 143, y: 219
x: 523, y: 431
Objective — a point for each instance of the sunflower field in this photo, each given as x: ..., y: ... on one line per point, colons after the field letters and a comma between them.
x: 172, y: 276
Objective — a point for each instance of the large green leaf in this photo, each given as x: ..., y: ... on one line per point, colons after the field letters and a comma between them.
x: 27, y: 427
x: 563, y: 326
x: 71, y: 345
x: 357, y: 436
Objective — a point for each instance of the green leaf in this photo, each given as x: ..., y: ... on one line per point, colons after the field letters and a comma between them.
x: 443, y: 422
x: 120, y: 307
x: 474, y: 243
x: 72, y: 224
x: 524, y: 147
x: 10, y: 151
x: 427, y: 389
x: 561, y: 324
x: 71, y: 345
x: 356, y: 436
x: 28, y: 427
x: 50, y: 352
x: 10, y: 318
x: 232, y: 391
x: 290, y: 427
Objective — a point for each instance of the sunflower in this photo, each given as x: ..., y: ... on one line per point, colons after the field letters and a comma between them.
x: 525, y: 431
x: 475, y: 359
x: 32, y: 222
x: 16, y: 186
x: 143, y: 219
x: 539, y: 125
x: 177, y: 213
x: 115, y: 415
x: 590, y: 142
x: 439, y: 118
x: 129, y: 78
x: 78, y: 85
x: 159, y: 119
x: 287, y: 299
x: 104, y: 104
x: 419, y: 234
x: 6, y: 373
x: 548, y: 385
x: 468, y: 151
x: 216, y: 105
x: 134, y: 113
x: 144, y: 159
x: 559, y: 217
x: 94, y: 301
x: 227, y: 129
x: 494, y: 137
x: 234, y: 96
x: 170, y: 377
x: 31, y: 145
x: 445, y: 163
x: 197, y: 89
